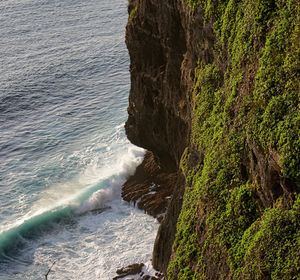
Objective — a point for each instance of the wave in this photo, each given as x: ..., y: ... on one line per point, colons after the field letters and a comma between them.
x: 92, y: 197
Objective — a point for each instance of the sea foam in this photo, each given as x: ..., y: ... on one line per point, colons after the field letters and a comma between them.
x: 110, y: 188
x: 91, y: 197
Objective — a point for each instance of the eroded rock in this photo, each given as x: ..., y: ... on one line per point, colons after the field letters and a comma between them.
x: 129, y: 270
x: 151, y: 187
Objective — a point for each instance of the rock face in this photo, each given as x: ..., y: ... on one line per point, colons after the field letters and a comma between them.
x: 159, y: 118
x: 215, y: 98
x: 151, y: 187
x: 159, y: 102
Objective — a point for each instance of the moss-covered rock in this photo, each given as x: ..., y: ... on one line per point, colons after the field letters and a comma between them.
x: 215, y: 93
x: 240, y: 215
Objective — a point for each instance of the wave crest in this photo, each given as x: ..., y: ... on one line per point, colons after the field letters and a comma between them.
x: 91, y: 197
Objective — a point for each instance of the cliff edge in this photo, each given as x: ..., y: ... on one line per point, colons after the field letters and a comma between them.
x: 215, y: 97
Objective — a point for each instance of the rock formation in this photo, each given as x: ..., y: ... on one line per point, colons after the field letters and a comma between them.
x: 215, y: 98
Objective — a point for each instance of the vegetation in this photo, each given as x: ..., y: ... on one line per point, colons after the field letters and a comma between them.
x: 247, y: 98
x: 133, y: 13
x: 133, y: 6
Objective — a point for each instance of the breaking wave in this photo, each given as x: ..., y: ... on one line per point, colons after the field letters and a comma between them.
x: 90, y: 193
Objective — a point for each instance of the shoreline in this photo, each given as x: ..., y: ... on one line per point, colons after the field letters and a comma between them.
x: 150, y: 189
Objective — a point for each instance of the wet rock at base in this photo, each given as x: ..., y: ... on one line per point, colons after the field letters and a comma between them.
x: 132, y: 269
x: 151, y: 187
x: 137, y: 271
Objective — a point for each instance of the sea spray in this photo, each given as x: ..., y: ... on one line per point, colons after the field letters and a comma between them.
x: 92, y: 197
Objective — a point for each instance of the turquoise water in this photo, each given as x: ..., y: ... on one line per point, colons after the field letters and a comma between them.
x: 64, y: 86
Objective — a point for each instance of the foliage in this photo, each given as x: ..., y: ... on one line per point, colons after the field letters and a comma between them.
x: 248, y: 96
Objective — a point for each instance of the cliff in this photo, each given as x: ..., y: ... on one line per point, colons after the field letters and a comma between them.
x: 215, y: 97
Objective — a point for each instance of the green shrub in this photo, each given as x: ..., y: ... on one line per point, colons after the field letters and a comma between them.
x: 254, y: 100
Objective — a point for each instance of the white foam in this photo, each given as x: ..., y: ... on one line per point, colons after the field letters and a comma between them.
x: 72, y: 192
x: 96, y: 245
x: 146, y: 270
x: 100, y: 244
x: 124, y: 168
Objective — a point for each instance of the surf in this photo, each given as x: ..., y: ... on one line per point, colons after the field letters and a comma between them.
x: 88, y: 196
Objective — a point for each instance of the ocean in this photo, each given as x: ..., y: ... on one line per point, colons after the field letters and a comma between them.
x: 64, y: 85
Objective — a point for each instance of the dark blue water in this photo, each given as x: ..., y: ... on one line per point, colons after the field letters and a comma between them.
x: 64, y: 85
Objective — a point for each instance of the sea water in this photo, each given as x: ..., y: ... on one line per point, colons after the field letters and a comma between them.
x: 64, y: 84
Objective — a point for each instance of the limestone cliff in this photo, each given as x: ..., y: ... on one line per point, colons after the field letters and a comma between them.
x: 215, y: 96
